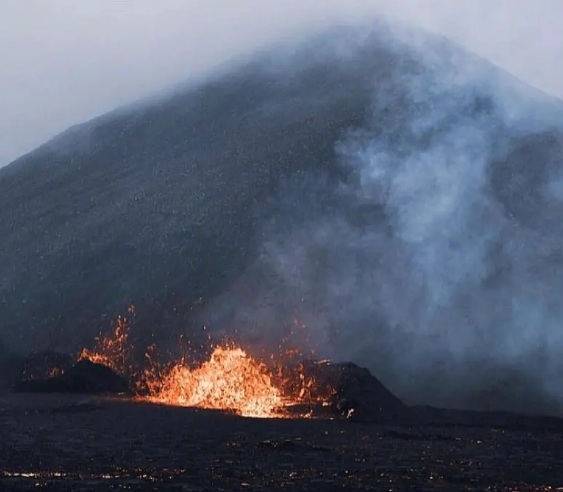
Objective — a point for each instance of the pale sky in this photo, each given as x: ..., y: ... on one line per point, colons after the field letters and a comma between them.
x: 66, y: 61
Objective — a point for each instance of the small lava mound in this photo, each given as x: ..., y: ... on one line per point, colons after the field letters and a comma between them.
x: 84, y: 377
x: 356, y: 393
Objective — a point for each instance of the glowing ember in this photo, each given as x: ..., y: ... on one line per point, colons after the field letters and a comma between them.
x: 55, y: 371
x: 111, y: 351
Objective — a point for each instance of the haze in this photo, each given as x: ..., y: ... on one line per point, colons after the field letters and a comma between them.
x: 64, y: 62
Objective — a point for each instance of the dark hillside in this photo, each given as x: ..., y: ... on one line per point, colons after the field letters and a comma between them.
x: 164, y: 199
x: 404, y: 201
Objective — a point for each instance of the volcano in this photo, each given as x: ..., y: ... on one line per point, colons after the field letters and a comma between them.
x: 400, y: 197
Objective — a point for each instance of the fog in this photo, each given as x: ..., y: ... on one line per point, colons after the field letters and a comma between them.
x: 64, y: 62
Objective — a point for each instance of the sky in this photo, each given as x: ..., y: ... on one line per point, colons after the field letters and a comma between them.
x: 63, y: 62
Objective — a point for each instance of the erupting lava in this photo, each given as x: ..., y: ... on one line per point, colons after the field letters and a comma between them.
x: 112, y: 351
x: 230, y: 380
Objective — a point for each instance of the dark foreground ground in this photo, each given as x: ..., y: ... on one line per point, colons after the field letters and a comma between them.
x: 53, y: 442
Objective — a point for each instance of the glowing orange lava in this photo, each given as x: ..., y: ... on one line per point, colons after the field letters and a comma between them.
x: 230, y: 380
x: 112, y: 351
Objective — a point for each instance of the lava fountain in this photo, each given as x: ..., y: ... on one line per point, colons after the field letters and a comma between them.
x: 114, y: 350
x: 230, y: 380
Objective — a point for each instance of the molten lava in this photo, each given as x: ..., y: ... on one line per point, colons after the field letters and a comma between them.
x: 112, y: 351
x: 230, y: 380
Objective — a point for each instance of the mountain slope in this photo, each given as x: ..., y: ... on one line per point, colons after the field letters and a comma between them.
x: 396, y: 195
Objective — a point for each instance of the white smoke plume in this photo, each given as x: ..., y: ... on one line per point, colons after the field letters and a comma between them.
x: 448, y: 287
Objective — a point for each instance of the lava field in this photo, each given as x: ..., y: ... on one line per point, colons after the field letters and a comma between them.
x: 79, y: 443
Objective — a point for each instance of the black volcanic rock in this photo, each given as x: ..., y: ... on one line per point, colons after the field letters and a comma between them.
x: 42, y: 365
x: 426, y: 416
x: 10, y: 371
x: 397, y: 186
x: 15, y: 369
x: 84, y: 377
x: 363, y: 397
x: 355, y: 393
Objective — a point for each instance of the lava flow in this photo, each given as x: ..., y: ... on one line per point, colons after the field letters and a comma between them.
x: 230, y: 379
